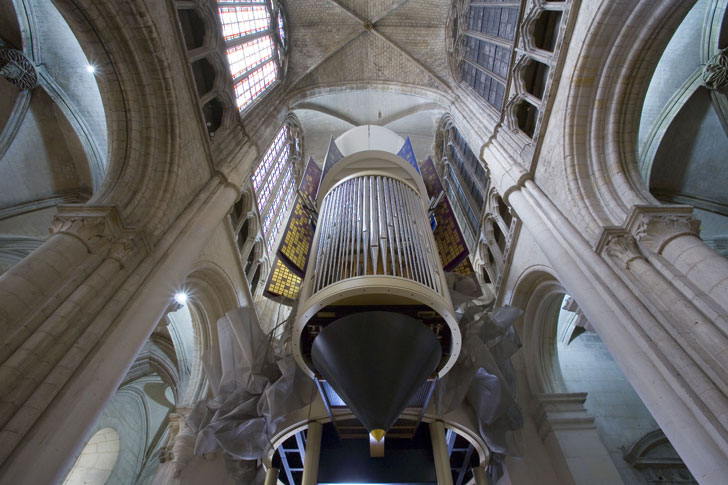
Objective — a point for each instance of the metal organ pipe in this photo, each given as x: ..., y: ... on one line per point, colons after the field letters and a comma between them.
x: 374, y: 225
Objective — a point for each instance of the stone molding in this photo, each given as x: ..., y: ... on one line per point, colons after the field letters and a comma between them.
x: 99, y: 228
x: 653, y: 227
x: 95, y: 226
x: 12, y: 124
x: 561, y: 411
x: 623, y: 248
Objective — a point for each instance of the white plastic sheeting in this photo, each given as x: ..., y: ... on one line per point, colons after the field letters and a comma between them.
x: 482, y: 377
x: 257, y: 389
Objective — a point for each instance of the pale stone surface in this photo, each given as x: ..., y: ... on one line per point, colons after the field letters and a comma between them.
x: 92, y: 339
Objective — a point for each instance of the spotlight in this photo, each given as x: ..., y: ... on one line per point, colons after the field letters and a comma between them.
x: 91, y: 69
x: 180, y: 298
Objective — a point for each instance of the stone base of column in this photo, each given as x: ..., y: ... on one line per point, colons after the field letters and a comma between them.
x: 572, y: 440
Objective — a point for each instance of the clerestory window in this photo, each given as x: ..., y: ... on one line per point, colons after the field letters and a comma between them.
x: 255, y: 39
x: 274, y: 182
x: 485, y: 35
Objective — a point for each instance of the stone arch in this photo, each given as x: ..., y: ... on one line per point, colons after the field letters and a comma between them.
x: 211, y: 295
x: 539, y: 293
x: 140, y: 97
x: 158, y: 356
x: 97, y: 459
x: 243, y: 206
x: 197, y: 25
x: 541, y: 19
x: 602, y: 174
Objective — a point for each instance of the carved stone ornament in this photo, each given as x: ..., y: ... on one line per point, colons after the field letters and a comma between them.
x: 18, y: 69
x: 122, y: 250
x: 90, y: 231
x: 95, y: 227
x: 623, y: 248
x: 655, y: 231
x: 715, y: 72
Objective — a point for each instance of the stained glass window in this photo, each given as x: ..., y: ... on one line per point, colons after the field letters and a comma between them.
x: 488, y: 42
x: 274, y: 182
x: 255, y: 40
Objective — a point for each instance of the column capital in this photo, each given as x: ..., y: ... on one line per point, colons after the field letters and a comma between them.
x: 621, y: 247
x: 655, y: 226
x: 94, y: 226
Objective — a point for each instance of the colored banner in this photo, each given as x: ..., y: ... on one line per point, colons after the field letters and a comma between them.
x: 311, y: 179
x: 408, y: 154
x: 430, y: 177
x: 333, y: 156
x: 449, y: 240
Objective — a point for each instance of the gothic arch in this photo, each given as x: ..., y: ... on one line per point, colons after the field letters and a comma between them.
x: 211, y: 295
x: 539, y: 293
x: 601, y: 166
x: 140, y: 98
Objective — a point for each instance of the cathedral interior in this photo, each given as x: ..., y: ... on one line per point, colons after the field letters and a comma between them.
x: 354, y: 242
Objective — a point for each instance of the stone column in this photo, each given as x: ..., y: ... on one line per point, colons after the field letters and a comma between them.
x: 97, y: 322
x: 313, y: 453
x: 669, y: 234
x: 439, y: 452
x: 571, y: 438
x: 678, y: 393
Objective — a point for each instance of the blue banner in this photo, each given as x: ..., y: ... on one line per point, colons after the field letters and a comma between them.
x: 408, y: 154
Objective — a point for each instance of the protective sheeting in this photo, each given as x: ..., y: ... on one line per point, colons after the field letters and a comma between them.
x: 482, y: 377
x: 258, y: 387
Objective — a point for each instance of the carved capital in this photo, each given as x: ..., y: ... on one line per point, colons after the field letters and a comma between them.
x: 122, y: 250
x: 623, y: 248
x: 654, y: 231
x: 95, y: 227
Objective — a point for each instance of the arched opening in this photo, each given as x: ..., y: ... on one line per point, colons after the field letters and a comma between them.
x: 526, y: 115
x: 251, y: 257
x: 504, y: 212
x: 486, y: 276
x: 97, y: 459
x: 534, y: 77
x: 243, y: 234
x: 546, y: 30
x: 500, y: 238
x: 204, y: 75
x: 193, y: 28
x: 213, y: 111
x: 256, y: 279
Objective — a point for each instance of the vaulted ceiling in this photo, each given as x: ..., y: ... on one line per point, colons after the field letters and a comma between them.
x: 355, y: 62
x: 350, y: 41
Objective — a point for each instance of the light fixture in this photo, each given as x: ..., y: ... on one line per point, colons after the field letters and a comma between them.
x: 90, y: 68
x: 180, y: 297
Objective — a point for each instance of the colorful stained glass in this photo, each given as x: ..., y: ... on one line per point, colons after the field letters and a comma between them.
x: 270, y: 156
x: 252, y: 86
x: 250, y: 30
x: 239, y: 21
x: 244, y: 57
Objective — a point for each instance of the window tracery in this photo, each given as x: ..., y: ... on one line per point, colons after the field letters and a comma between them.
x: 255, y: 40
x: 274, y: 181
x: 484, y: 39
